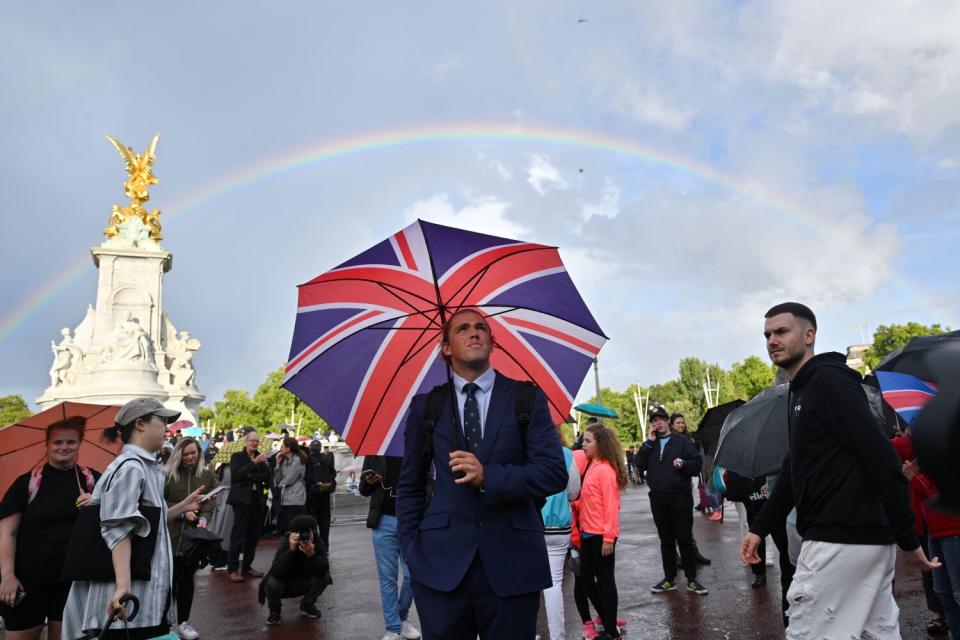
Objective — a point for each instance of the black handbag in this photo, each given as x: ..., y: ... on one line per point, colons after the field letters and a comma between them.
x: 88, y: 557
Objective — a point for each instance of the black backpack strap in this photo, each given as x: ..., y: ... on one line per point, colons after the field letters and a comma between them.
x: 525, y: 394
x: 431, y: 416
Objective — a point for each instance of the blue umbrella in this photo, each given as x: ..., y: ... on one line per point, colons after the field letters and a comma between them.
x: 598, y: 410
x: 193, y: 432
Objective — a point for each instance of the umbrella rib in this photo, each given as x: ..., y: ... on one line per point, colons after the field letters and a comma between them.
x: 524, y: 369
x: 486, y: 268
x: 404, y: 360
x: 380, y: 283
x: 23, y: 448
x: 389, y: 289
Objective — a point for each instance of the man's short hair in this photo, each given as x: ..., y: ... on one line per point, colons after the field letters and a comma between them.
x: 445, y: 330
x: 75, y: 423
x: 794, y: 308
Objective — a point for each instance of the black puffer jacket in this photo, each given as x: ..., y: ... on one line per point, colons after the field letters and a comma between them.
x: 662, y: 476
x: 842, y: 473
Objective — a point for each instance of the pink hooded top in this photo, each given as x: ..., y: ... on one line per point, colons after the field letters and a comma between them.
x: 599, y: 503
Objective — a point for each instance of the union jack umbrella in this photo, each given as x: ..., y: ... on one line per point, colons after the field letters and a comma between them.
x: 906, y: 394
x: 367, y: 334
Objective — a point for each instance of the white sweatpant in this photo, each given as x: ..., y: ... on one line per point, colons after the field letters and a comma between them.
x: 843, y: 591
x: 557, y: 545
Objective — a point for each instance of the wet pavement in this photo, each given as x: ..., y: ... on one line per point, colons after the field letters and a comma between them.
x: 731, y: 611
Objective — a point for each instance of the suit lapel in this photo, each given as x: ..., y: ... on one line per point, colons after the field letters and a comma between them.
x: 500, y: 397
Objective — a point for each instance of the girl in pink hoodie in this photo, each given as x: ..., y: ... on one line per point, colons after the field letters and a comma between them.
x: 604, y: 477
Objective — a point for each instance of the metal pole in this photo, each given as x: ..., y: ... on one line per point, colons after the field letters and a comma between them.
x: 596, y: 376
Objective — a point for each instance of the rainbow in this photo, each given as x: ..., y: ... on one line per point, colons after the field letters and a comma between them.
x: 453, y: 133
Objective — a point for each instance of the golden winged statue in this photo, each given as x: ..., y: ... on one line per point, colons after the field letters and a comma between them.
x: 140, y: 179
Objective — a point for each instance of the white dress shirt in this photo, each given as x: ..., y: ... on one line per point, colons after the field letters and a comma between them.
x: 485, y: 382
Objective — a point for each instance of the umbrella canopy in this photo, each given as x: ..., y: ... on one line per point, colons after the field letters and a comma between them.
x: 193, y: 432
x: 23, y: 444
x: 913, y: 358
x: 598, y: 410
x: 753, y: 440
x: 708, y: 430
x: 755, y: 437
x: 367, y: 334
x: 906, y: 394
x: 936, y: 433
x: 227, y: 450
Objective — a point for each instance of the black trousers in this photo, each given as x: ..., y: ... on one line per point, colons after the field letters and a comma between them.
x: 597, y: 572
x: 752, y: 508
x: 286, y: 514
x: 276, y: 590
x: 245, y: 534
x: 319, y: 507
x: 673, y: 515
x: 183, y: 587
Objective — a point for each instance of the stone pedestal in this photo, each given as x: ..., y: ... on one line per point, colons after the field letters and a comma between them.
x: 126, y: 347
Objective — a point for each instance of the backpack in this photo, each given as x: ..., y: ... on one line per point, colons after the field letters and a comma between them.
x: 556, y: 512
x: 36, y: 476
x: 525, y: 394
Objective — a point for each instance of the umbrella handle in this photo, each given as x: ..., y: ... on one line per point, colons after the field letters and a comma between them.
x: 133, y: 613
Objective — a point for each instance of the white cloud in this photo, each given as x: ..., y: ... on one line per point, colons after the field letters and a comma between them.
x: 491, y: 163
x: 543, y: 175
x: 484, y: 215
x: 645, y: 104
x: 948, y: 163
x: 449, y: 63
x: 608, y: 206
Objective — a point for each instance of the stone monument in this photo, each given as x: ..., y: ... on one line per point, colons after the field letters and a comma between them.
x: 127, y: 346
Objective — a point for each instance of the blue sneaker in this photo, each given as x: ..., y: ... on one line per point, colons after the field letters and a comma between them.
x: 667, y: 584
x: 694, y: 586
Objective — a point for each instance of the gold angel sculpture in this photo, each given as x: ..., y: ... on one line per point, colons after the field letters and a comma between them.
x: 140, y: 171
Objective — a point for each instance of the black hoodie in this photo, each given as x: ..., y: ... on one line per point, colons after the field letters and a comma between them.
x: 841, y: 472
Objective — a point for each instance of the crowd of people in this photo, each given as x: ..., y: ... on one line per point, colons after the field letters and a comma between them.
x: 484, y: 512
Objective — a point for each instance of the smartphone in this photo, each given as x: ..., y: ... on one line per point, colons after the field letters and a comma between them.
x: 21, y: 594
x: 213, y: 494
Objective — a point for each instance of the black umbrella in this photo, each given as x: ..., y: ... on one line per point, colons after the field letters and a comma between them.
x: 754, y: 441
x: 913, y: 359
x: 935, y: 434
x: 708, y: 431
x: 201, y: 547
x: 755, y: 438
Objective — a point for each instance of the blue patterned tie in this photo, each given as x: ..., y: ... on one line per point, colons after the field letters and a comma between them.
x: 471, y: 417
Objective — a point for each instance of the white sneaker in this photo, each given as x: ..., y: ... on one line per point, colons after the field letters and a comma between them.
x: 390, y: 635
x: 408, y: 631
x: 185, y: 631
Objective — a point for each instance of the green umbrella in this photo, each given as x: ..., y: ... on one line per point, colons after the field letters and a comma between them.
x: 597, y: 410
x: 227, y: 450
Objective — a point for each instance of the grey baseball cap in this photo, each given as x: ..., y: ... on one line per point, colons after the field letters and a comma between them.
x: 139, y: 407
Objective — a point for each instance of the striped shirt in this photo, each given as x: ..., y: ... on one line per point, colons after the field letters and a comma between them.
x: 86, y: 607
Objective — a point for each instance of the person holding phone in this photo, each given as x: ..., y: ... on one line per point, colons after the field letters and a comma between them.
x: 185, y: 472
x: 378, y: 481
x: 249, y: 474
x: 132, y: 477
x: 300, y: 569
x: 36, y: 519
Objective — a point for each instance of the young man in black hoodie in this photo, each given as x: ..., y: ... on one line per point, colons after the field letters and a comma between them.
x: 670, y: 462
x: 844, y: 478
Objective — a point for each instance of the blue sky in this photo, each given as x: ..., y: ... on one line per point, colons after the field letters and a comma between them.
x: 852, y: 117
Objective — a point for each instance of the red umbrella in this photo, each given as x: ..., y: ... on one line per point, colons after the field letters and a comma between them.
x: 23, y: 444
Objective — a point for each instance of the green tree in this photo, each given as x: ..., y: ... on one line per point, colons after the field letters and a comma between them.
x: 751, y: 376
x: 13, y: 408
x: 627, y: 425
x: 889, y: 338
x: 270, y: 405
x: 693, y: 376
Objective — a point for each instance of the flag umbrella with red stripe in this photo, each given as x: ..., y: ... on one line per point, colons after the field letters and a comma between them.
x: 367, y: 333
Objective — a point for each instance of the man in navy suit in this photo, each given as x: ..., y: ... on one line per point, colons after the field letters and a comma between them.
x: 476, y: 550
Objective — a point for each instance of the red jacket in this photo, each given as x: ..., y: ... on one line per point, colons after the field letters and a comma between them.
x: 922, y: 489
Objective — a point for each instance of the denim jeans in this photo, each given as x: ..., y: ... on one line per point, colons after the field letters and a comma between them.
x: 386, y: 549
x: 946, y: 579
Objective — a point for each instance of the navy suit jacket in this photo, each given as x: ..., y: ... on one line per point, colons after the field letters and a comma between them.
x: 501, y: 524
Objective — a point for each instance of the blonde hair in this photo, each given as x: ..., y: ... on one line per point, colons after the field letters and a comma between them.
x: 173, y: 464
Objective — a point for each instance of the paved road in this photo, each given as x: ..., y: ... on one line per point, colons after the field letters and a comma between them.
x: 732, y: 610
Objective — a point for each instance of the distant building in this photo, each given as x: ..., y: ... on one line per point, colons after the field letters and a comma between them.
x: 855, y: 355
